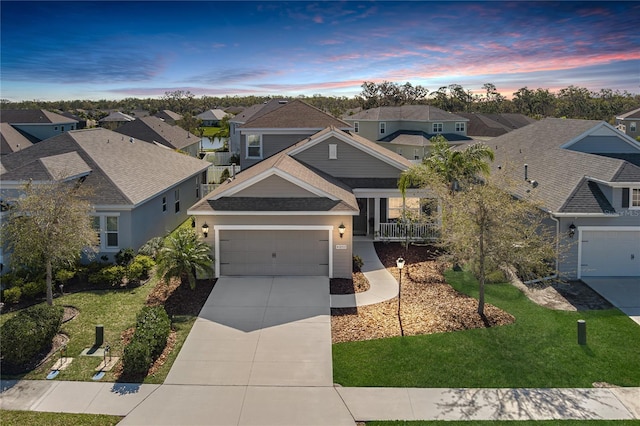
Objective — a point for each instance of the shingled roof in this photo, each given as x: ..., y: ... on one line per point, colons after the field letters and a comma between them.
x: 155, y: 130
x: 405, y: 113
x: 33, y: 116
x: 12, y: 140
x: 559, y: 172
x: 122, y: 173
x: 293, y: 115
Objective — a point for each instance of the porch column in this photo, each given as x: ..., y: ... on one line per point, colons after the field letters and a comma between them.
x: 376, y: 216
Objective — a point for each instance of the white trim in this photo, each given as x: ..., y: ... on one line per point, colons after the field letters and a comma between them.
x: 218, y: 228
x: 289, y: 131
x: 624, y: 137
x: 598, y: 228
x: 614, y: 184
x: 246, y: 147
x: 271, y: 213
x: 271, y: 172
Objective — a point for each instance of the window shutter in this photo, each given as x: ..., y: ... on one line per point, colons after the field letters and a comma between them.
x: 625, y: 197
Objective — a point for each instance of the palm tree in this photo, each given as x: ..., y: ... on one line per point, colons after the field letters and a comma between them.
x: 183, y: 256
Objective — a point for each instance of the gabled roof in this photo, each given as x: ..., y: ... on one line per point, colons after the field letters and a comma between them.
x: 117, y: 116
x: 155, y: 130
x: 405, y: 113
x: 212, y: 114
x: 11, y: 139
x: 631, y: 114
x: 492, y: 125
x: 122, y: 173
x: 166, y: 114
x: 558, y: 172
x: 293, y: 115
x: 33, y: 116
x: 419, y: 138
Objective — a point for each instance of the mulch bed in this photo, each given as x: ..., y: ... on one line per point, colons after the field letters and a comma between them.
x: 428, y: 304
x: 358, y: 284
x: 181, y: 299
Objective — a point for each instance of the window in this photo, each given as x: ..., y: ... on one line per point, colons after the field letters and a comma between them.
x: 176, y: 196
x: 416, y: 154
x: 96, y: 227
x: 254, y: 146
x: 164, y: 203
x: 395, y: 206
x: 383, y: 128
x: 460, y: 127
x: 333, y: 151
x: 356, y: 127
x: 198, y: 187
x: 112, y: 231
x: 632, y: 126
x: 437, y: 127
x: 635, y: 197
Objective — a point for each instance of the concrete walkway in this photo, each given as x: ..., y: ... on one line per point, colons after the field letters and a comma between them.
x: 382, y: 285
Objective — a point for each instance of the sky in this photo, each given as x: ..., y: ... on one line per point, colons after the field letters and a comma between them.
x: 54, y: 50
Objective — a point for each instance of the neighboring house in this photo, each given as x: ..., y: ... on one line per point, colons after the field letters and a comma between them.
x: 168, y: 116
x: 493, y: 125
x: 115, y: 120
x: 629, y: 123
x: 37, y: 124
x: 211, y: 118
x: 407, y: 129
x: 139, y: 190
x: 82, y: 122
x: 12, y: 140
x: 296, y: 212
x: 153, y: 129
x: 245, y: 115
x: 592, y: 197
x: 271, y: 130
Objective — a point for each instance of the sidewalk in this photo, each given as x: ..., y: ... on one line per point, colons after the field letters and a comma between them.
x: 211, y: 405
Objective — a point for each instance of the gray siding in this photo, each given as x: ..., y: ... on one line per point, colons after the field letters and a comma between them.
x: 603, y: 144
x: 271, y: 144
x: 45, y: 131
x: 371, y: 129
x: 274, y: 186
x: 351, y: 162
x: 342, y: 259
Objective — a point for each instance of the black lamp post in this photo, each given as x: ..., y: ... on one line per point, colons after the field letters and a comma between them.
x: 400, y: 265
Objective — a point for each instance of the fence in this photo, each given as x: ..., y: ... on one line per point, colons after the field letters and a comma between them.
x: 214, y: 173
x: 415, y: 231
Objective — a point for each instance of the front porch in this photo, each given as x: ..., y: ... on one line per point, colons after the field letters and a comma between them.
x: 383, y: 218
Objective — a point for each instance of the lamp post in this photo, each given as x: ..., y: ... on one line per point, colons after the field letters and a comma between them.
x: 400, y: 265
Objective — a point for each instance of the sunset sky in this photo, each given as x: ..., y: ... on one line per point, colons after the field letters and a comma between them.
x: 115, y: 49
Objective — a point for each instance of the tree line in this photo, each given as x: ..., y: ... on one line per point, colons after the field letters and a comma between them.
x: 569, y: 102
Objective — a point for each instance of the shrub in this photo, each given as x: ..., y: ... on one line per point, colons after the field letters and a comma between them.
x: 152, y: 247
x: 224, y: 176
x: 139, y: 268
x: 357, y: 263
x: 149, y: 340
x: 12, y: 295
x: 125, y: 256
x: 110, y: 275
x: 33, y: 289
x: 28, y: 334
x: 64, y: 275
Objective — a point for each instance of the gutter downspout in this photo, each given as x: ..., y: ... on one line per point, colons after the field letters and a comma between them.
x: 554, y: 276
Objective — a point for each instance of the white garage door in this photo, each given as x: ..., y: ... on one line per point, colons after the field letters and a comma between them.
x: 257, y: 252
x: 610, y: 253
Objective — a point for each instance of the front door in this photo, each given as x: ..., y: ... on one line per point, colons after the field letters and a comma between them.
x: 360, y: 222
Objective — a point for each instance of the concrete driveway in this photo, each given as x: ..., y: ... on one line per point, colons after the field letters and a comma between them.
x: 258, y: 354
x: 621, y: 292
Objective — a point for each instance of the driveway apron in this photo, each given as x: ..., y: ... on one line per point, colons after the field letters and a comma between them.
x: 258, y: 354
x: 622, y: 292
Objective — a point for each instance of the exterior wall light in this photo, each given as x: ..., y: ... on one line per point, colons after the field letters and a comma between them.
x: 572, y: 230
x: 205, y: 230
x: 341, y: 229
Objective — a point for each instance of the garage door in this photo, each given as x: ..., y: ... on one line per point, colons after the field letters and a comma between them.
x: 255, y: 252
x: 610, y: 253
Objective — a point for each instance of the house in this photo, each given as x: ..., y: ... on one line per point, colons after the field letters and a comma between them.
x: 279, y: 125
x: 482, y: 126
x: 139, y: 190
x: 37, y: 124
x: 592, y: 197
x: 212, y: 117
x: 407, y: 129
x: 115, y: 120
x: 154, y: 130
x: 245, y: 115
x: 629, y: 123
x: 296, y: 211
x: 12, y: 140
x: 168, y: 116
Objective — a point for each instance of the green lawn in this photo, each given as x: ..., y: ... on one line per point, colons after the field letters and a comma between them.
x: 209, y: 131
x: 26, y: 418
x: 539, y: 350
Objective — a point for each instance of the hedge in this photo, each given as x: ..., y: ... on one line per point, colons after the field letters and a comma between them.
x: 28, y: 334
x: 149, y: 340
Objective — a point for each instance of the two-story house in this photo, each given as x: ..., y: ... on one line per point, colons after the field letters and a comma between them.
x: 629, y: 123
x: 155, y: 130
x: 577, y: 170
x: 407, y: 129
x: 37, y: 124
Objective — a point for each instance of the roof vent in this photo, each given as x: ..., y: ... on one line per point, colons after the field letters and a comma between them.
x: 131, y: 140
x: 282, y: 102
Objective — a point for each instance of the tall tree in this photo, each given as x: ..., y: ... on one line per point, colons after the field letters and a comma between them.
x: 183, y: 256
x: 48, y: 227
